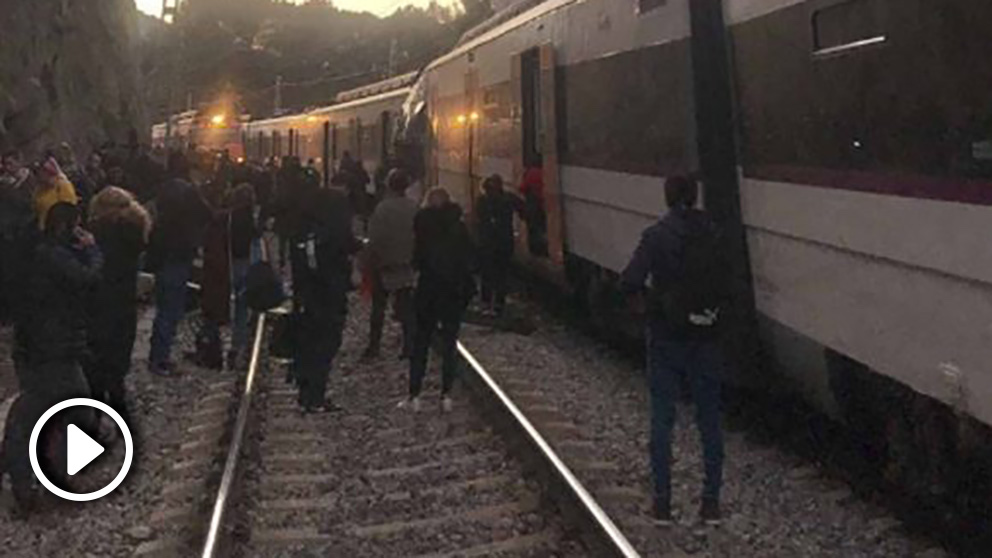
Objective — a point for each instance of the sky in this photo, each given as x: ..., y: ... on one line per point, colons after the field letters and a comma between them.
x: 378, y: 7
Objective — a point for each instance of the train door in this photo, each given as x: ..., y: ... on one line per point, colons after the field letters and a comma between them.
x: 471, y: 120
x: 537, y: 160
x: 386, y: 125
x: 325, y: 155
x: 358, y: 136
x: 334, y: 147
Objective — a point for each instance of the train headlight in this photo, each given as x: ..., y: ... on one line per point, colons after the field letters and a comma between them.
x: 218, y: 120
x: 474, y: 117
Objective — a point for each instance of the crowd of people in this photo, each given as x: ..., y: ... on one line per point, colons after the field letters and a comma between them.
x: 74, y: 238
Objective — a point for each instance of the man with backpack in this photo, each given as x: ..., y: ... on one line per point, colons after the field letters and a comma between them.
x: 680, y: 255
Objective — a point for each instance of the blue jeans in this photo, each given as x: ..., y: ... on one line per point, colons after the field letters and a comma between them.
x: 170, y: 306
x: 239, y: 329
x: 701, y: 363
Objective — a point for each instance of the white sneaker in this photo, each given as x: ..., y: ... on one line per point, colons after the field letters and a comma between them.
x: 447, y: 404
x: 412, y: 404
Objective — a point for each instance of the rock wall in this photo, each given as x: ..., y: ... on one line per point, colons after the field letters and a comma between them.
x: 68, y: 72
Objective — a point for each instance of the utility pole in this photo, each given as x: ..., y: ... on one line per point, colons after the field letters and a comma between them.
x: 278, y: 100
x: 170, y: 13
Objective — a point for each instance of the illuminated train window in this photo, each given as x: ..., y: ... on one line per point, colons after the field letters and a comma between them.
x: 847, y: 26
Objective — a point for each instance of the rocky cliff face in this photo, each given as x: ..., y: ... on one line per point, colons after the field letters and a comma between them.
x: 68, y: 72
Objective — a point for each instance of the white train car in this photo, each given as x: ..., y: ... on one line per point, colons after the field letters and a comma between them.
x: 213, y: 133
x: 360, y: 122
x: 844, y: 144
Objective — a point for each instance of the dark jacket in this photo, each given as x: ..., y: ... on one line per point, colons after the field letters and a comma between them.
x: 332, y: 240
x: 495, y: 222
x: 658, y: 255
x: 290, y: 205
x: 443, y: 252
x: 243, y: 232
x: 64, y: 278
x: 180, y: 222
x: 114, y: 306
x: 16, y: 204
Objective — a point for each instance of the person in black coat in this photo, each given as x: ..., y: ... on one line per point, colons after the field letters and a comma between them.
x: 494, y: 231
x: 323, y: 283
x: 66, y: 268
x: 121, y: 226
x: 443, y: 254
x: 180, y: 221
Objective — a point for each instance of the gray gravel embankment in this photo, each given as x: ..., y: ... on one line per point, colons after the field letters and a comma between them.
x: 775, y: 504
x: 114, y: 525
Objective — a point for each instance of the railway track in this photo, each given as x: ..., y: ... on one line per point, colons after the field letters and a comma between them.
x: 375, y: 480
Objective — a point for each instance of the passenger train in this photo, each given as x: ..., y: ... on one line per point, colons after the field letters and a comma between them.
x: 845, y: 146
x: 213, y: 131
x: 360, y: 122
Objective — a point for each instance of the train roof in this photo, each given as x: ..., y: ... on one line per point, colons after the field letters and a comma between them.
x: 377, y: 88
x: 501, y: 24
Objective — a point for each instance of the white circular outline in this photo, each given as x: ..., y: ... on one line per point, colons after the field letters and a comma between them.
x: 88, y: 496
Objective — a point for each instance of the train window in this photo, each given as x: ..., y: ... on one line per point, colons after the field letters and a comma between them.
x: 645, y: 6
x: 847, y: 26
x: 325, y: 153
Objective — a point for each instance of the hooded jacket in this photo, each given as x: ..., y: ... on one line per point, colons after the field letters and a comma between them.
x: 659, y: 254
x: 121, y: 227
x: 65, y: 277
x: 443, y: 252
x: 494, y: 214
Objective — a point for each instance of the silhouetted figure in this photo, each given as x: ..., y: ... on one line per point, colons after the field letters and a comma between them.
x: 443, y: 254
x: 494, y: 231
x: 680, y: 256
x: 390, y: 262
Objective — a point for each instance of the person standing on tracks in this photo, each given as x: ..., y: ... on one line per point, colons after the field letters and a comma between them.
x: 355, y: 177
x: 494, y: 222
x: 66, y: 267
x: 324, y: 284
x: 17, y: 228
x: 390, y: 262
x: 443, y: 254
x: 215, y: 284
x: 680, y: 256
x: 244, y: 232
x: 121, y: 227
x: 180, y: 220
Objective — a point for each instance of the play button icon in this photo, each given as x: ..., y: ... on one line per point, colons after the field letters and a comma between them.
x: 81, y: 449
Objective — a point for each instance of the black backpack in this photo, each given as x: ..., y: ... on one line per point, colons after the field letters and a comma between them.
x: 691, y: 303
x: 263, y: 288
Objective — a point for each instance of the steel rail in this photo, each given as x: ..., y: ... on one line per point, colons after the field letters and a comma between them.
x: 237, y: 441
x: 606, y: 532
x: 238, y: 436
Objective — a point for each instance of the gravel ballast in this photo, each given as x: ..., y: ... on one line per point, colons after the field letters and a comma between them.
x: 113, y: 526
x: 775, y: 503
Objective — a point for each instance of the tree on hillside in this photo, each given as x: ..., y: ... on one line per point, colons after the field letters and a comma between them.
x: 241, y: 46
